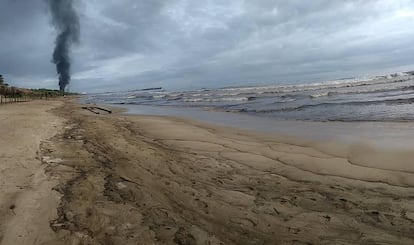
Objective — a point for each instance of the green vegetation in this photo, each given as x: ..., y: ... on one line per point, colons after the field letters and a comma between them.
x: 50, y: 92
x: 13, y: 94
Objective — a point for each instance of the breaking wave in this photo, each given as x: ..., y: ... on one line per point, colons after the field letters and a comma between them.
x: 387, y: 97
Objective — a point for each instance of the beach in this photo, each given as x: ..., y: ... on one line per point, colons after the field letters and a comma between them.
x: 72, y: 176
x: 27, y: 200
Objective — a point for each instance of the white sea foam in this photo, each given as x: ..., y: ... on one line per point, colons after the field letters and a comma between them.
x: 352, y: 82
x: 193, y: 99
x: 391, y: 93
x: 220, y: 99
x: 319, y: 95
x: 160, y: 96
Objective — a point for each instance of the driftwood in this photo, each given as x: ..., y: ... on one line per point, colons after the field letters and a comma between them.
x: 96, y: 110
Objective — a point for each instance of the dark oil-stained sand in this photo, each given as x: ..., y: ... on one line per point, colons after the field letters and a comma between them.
x: 157, y: 180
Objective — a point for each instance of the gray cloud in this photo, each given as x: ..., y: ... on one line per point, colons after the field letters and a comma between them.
x: 129, y: 44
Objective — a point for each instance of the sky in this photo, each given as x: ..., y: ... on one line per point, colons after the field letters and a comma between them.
x: 190, y: 44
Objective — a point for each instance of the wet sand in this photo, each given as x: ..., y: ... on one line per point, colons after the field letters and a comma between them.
x: 125, y: 179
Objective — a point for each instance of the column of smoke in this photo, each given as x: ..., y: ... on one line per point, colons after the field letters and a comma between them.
x: 66, y: 22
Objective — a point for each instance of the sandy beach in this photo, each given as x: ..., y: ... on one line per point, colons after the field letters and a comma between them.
x: 70, y: 176
x: 27, y: 202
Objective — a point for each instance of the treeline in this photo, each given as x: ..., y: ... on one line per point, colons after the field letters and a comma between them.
x: 10, y: 94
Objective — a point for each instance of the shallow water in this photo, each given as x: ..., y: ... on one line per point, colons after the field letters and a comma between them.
x: 381, y: 98
x: 381, y: 135
x: 377, y: 110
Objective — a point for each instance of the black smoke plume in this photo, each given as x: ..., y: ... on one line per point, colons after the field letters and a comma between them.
x: 66, y: 22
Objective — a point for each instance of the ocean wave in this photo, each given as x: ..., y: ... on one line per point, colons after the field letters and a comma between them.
x: 327, y: 99
x: 221, y: 99
x: 331, y: 104
x: 160, y: 96
x: 324, y: 94
x: 193, y: 99
x: 345, y: 83
x: 373, y: 90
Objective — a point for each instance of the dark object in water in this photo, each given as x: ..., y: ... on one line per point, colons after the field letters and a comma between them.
x: 148, y: 89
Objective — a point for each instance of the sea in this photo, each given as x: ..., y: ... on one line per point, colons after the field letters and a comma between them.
x: 385, y: 98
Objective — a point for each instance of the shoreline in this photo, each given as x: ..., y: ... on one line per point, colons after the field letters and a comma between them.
x: 299, y: 129
x: 380, y: 99
x: 130, y: 179
x: 373, y: 143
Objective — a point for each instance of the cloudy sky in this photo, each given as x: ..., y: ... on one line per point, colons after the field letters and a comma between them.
x: 188, y: 44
